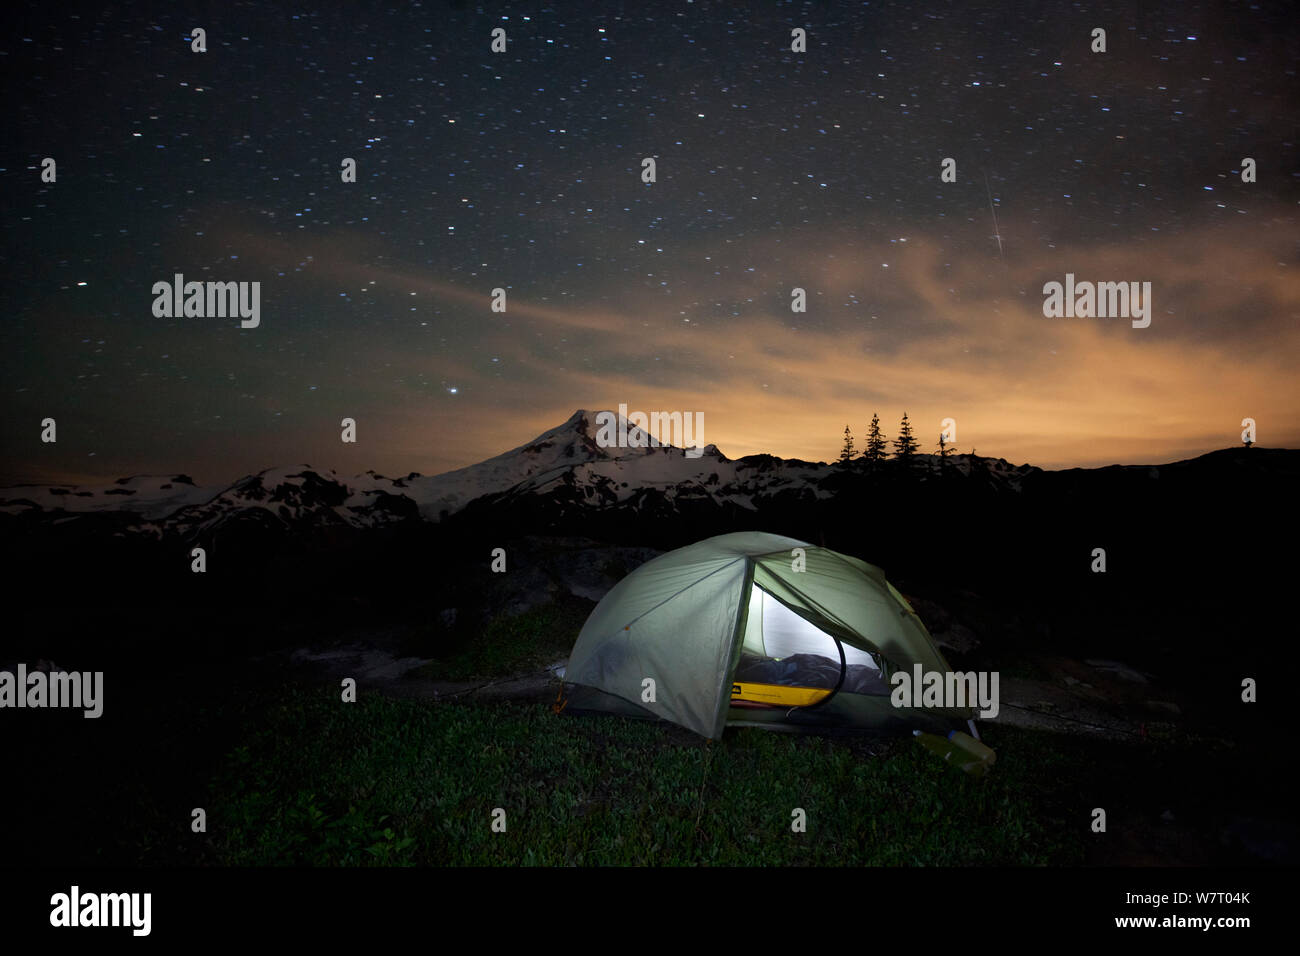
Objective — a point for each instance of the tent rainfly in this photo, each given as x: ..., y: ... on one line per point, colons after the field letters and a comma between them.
x: 754, y: 629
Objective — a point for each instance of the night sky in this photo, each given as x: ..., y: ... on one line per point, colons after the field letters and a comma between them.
x: 522, y: 170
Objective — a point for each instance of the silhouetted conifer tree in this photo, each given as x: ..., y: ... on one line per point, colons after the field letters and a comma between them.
x: 905, y: 445
x: 877, y: 447
x: 846, y: 453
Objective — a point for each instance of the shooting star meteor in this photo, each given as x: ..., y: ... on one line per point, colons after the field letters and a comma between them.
x: 996, y: 233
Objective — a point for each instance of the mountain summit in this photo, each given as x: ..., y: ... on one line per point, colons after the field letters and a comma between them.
x: 566, y: 467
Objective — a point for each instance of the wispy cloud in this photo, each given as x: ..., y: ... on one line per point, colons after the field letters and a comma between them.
x: 953, y: 336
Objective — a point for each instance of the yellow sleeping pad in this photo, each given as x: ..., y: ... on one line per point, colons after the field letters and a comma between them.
x: 778, y: 694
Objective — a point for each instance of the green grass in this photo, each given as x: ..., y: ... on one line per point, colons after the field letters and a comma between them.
x: 402, y: 782
x: 290, y: 775
x: 513, y: 645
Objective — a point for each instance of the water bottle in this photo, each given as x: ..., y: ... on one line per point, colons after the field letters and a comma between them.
x: 960, y: 749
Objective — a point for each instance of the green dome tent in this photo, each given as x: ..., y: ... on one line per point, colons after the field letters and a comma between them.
x: 755, y: 629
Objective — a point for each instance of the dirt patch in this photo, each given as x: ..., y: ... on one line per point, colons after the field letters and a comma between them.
x: 1099, y: 698
x: 378, y: 670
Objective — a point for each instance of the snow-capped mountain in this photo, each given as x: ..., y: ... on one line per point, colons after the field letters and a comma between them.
x: 564, y: 465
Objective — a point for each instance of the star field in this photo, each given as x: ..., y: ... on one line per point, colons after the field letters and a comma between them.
x: 522, y: 170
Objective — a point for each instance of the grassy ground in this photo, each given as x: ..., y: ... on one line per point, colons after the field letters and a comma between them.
x: 509, y: 645
x: 288, y: 774
x: 386, y: 781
